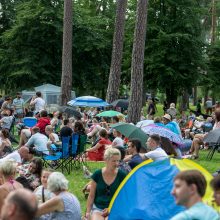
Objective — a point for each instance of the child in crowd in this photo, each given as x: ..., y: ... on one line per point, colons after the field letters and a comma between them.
x: 41, y: 192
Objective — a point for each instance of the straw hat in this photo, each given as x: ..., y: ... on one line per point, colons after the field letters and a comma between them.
x: 167, y: 116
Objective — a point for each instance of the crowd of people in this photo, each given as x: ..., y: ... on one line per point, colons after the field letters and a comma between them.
x: 38, y: 193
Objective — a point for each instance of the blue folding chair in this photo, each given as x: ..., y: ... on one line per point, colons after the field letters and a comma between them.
x: 30, y: 121
x: 59, y: 159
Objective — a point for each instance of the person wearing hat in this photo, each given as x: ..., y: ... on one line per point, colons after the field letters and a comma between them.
x: 172, y: 111
x: 171, y: 125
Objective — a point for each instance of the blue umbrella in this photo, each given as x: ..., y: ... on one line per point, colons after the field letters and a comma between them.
x: 88, y: 101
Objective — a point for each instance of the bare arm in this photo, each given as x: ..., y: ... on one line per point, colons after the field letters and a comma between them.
x: 52, y: 205
x: 96, y: 147
x: 91, y: 198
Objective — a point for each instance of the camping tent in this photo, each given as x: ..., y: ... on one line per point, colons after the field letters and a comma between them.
x: 51, y: 93
x: 146, y: 191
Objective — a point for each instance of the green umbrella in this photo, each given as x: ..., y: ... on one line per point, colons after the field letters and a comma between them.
x: 110, y: 113
x: 131, y: 131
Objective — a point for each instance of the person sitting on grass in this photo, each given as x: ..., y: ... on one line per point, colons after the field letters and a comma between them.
x: 64, y: 205
x: 118, y: 141
x: 134, y: 147
x: 96, y: 153
x: 8, y: 182
x: 103, y: 185
x: 41, y: 192
x: 30, y: 174
x: 38, y: 142
x: 188, y: 190
x: 156, y: 153
x: 5, y: 143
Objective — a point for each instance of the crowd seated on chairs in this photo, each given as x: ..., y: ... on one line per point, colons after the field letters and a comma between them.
x: 198, y: 138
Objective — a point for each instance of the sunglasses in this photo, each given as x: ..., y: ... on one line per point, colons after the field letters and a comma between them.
x: 107, y: 191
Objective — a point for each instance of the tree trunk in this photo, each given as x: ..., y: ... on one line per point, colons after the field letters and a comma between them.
x: 117, y: 51
x: 171, y: 95
x: 137, y: 65
x: 184, y: 105
x: 194, y: 95
x: 66, y: 81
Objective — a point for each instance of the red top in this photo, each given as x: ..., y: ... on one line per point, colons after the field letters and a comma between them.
x: 98, y: 154
x: 42, y: 123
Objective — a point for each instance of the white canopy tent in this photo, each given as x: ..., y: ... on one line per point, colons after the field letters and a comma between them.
x: 50, y: 93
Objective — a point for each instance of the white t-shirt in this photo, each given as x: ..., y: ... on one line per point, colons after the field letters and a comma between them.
x: 157, y: 154
x: 56, y: 137
x: 39, y: 104
x: 118, y: 142
x: 12, y: 156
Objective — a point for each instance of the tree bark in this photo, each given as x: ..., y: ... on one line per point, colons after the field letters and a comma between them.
x: 117, y: 51
x: 135, y: 102
x: 171, y: 95
x: 66, y: 80
x: 184, y: 105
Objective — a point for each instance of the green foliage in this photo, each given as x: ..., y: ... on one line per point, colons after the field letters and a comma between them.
x: 174, y: 46
x: 31, y: 47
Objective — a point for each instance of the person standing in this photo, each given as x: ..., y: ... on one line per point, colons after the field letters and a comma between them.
x: 208, y: 106
x: 151, y: 109
x: 38, y: 102
x: 189, y: 188
x: 18, y: 104
x: 199, y: 108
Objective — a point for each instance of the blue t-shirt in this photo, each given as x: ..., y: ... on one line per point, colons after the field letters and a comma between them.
x: 135, y: 160
x: 199, y: 211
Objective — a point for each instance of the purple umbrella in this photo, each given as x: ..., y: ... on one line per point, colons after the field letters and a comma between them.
x: 163, y: 132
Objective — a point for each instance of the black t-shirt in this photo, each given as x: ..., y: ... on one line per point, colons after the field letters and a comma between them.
x: 65, y: 132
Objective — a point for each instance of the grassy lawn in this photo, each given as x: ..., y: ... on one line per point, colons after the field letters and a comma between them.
x: 77, y: 180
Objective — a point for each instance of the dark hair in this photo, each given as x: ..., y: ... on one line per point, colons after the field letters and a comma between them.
x: 39, y: 165
x: 103, y: 133
x: 66, y: 121
x: 78, y: 126
x: 193, y: 177
x: 115, y: 118
x: 136, y: 143
x: 215, y: 183
x: 43, y: 113
x: 25, y: 208
x: 5, y: 132
x: 122, y: 150
x: 156, y: 138
x: 38, y: 94
x: 217, y: 115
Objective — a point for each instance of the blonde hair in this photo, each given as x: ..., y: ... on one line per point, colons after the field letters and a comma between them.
x: 49, y: 128
x: 111, y: 151
x: 8, y: 168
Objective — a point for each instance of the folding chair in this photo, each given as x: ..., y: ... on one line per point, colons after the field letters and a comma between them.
x: 30, y: 121
x: 211, y: 153
x: 80, y: 154
x: 11, y: 131
x: 74, y: 148
x: 60, y: 158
